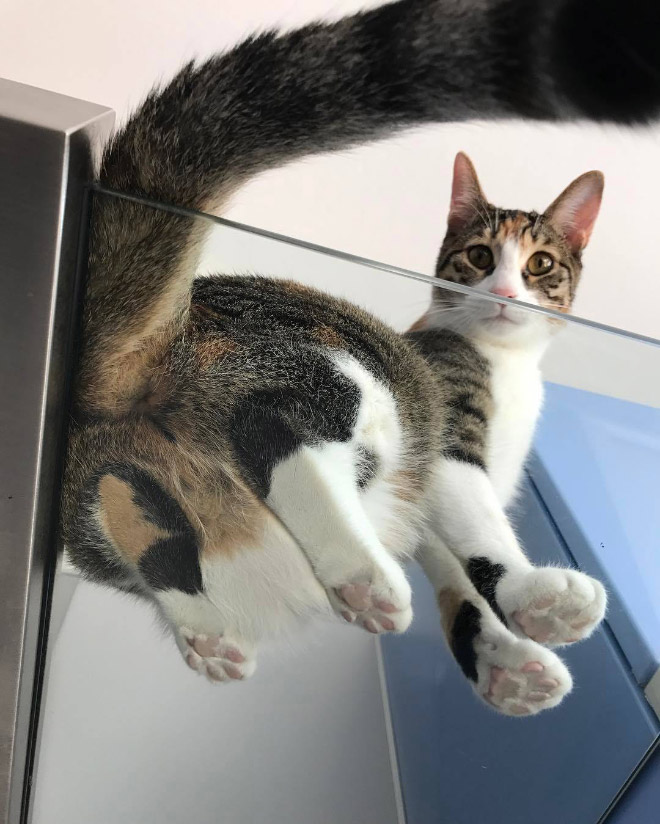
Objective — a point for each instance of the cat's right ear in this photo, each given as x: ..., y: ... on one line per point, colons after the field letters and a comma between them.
x: 466, y: 194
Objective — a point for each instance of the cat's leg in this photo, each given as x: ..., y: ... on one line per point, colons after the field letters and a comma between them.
x: 141, y: 532
x: 315, y: 493
x: 516, y: 676
x: 304, y: 459
x: 551, y: 605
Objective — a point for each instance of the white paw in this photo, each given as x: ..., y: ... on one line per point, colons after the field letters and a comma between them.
x: 519, y: 677
x: 552, y: 606
x: 382, y: 605
x: 216, y: 656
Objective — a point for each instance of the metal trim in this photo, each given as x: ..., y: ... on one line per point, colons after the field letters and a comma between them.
x: 47, y: 144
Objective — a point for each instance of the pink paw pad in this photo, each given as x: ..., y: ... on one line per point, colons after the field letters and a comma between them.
x: 558, y: 606
x: 357, y: 596
x: 375, y: 614
x: 522, y: 691
x: 216, y: 658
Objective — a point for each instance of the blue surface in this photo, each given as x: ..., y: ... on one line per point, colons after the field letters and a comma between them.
x: 596, y: 465
x: 641, y: 803
x: 461, y: 763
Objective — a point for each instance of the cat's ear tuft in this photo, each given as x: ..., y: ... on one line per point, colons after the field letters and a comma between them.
x: 575, y: 211
x: 466, y: 194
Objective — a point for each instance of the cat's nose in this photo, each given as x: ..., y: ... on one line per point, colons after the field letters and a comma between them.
x: 504, y: 291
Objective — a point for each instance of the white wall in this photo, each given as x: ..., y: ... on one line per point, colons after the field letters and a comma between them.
x: 386, y: 202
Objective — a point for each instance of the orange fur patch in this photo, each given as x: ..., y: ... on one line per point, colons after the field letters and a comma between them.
x: 123, y: 521
x: 239, y: 527
x: 449, y: 602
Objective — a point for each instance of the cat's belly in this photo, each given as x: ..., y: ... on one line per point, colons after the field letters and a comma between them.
x: 517, y: 391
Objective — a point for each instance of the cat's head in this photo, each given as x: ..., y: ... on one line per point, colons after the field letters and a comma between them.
x: 535, y: 258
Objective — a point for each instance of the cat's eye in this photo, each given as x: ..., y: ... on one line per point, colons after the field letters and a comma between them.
x: 480, y: 256
x: 540, y: 263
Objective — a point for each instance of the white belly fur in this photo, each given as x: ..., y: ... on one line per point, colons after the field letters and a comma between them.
x: 517, y: 390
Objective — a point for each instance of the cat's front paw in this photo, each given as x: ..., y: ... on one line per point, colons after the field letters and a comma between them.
x: 217, y: 657
x: 519, y: 677
x: 380, y: 605
x: 552, y: 606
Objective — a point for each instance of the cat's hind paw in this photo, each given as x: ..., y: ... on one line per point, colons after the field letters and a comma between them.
x: 217, y: 657
x: 377, y: 607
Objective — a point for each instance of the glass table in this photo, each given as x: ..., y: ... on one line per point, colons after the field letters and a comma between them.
x: 127, y: 732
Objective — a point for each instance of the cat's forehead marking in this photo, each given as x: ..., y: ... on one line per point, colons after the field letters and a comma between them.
x: 512, y: 224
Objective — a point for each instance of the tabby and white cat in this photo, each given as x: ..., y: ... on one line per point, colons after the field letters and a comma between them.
x: 246, y: 451
x: 485, y: 356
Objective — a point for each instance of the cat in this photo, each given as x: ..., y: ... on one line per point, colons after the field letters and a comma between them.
x: 245, y: 452
x: 486, y: 355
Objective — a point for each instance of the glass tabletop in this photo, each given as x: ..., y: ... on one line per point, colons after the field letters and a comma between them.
x: 337, y: 725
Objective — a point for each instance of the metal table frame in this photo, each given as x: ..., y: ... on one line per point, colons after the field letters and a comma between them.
x: 47, y: 147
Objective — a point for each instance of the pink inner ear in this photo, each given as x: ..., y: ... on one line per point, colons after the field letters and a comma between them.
x: 579, y: 225
x: 575, y: 211
x: 465, y: 193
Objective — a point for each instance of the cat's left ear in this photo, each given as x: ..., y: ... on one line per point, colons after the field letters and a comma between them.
x: 575, y: 211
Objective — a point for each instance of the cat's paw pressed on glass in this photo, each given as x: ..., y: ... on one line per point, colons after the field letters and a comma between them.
x: 553, y: 606
x: 377, y: 608
x: 519, y: 677
x: 216, y: 657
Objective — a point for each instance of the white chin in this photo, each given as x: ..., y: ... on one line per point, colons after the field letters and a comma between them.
x: 504, y: 323
x: 508, y: 326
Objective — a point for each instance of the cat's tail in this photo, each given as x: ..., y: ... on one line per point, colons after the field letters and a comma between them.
x: 277, y: 97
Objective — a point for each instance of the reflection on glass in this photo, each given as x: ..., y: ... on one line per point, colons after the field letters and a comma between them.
x: 333, y: 726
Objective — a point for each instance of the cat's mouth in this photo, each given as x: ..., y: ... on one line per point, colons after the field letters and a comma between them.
x: 503, y: 315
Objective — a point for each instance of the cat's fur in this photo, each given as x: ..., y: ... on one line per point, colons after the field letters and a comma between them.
x: 220, y: 428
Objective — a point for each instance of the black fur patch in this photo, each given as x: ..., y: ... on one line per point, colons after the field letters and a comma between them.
x: 263, y: 437
x: 268, y: 426
x: 484, y: 574
x: 466, y: 627
x: 173, y: 563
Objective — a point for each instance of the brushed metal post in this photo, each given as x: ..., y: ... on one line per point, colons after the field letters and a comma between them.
x: 47, y: 144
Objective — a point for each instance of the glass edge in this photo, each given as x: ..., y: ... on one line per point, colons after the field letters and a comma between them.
x: 433, y: 282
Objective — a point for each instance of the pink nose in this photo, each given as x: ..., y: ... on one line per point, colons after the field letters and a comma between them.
x: 504, y: 291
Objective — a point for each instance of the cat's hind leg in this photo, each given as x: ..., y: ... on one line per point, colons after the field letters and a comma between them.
x: 513, y: 675
x: 314, y: 487
x: 314, y: 492
x: 139, y: 529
